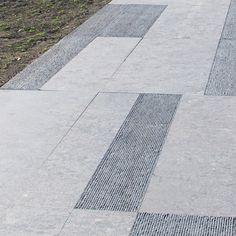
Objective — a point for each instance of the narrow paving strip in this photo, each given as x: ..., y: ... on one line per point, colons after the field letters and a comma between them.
x: 164, y: 224
x: 121, y: 140
x: 121, y: 178
x: 222, y: 79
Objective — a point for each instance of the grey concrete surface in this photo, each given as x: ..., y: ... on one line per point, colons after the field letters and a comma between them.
x: 195, y: 173
x: 32, y: 124
x: 44, y: 204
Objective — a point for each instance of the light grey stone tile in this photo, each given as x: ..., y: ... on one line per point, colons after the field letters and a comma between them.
x: 94, y: 66
x: 32, y: 123
x: 30, y: 221
x: 98, y: 223
x: 174, y: 66
x: 203, y: 19
x: 45, y: 203
x: 195, y: 173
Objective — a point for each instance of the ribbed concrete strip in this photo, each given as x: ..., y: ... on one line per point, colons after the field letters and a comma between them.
x: 222, y: 80
x: 113, y: 20
x: 181, y: 225
x: 122, y: 176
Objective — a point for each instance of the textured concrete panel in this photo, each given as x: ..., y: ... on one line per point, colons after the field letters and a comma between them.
x: 112, y: 20
x: 133, y: 21
x: 94, y: 66
x: 170, y: 225
x: 166, y: 66
x: 122, y: 176
x: 222, y: 79
x: 98, y: 223
x: 229, y: 31
x: 46, y: 198
x: 196, y: 171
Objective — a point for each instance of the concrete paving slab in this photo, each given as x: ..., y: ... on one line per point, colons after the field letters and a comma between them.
x: 174, y: 66
x: 190, y: 21
x: 134, y: 21
x: 93, y: 67
x: 32, y: 123
x: 55, y: 187
x: 98, y: 223
x: 168, y: 225
x: 30, y: 221
x: 195, y: 173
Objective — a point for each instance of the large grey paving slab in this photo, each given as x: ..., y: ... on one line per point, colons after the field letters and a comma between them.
x: 166, y: 66
x: 167, y: 225
x: 98, y: 223
x: 32, y: 123
x: 202, y: 19
x: 131, y: 20
x: 46, y: 202
x: 32, y: 220
x: 93, y: 67
x: 196, y: 173
x: 120, y: 181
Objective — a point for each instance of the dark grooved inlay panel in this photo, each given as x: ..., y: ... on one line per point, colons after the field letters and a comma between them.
x: 133, y: 20
x: 222, y: 80
x: 175, y: 225
x: 122, y: 176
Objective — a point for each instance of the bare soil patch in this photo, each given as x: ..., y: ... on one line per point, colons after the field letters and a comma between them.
x: 30, y: 27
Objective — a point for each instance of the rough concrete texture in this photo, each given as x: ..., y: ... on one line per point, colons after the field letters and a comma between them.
x: 55, y: 143
x: 121, y: 178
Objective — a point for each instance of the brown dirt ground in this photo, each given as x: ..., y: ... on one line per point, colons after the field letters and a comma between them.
x: 30, y: 27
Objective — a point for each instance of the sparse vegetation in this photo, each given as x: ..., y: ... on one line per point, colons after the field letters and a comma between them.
x: 29, y: 27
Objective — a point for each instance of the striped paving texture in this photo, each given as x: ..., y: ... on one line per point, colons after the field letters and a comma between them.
x: 122, y: 177
x: 177, y: 225
x: 222, y: 80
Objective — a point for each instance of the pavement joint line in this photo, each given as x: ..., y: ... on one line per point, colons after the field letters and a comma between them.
x: 68, y: 131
